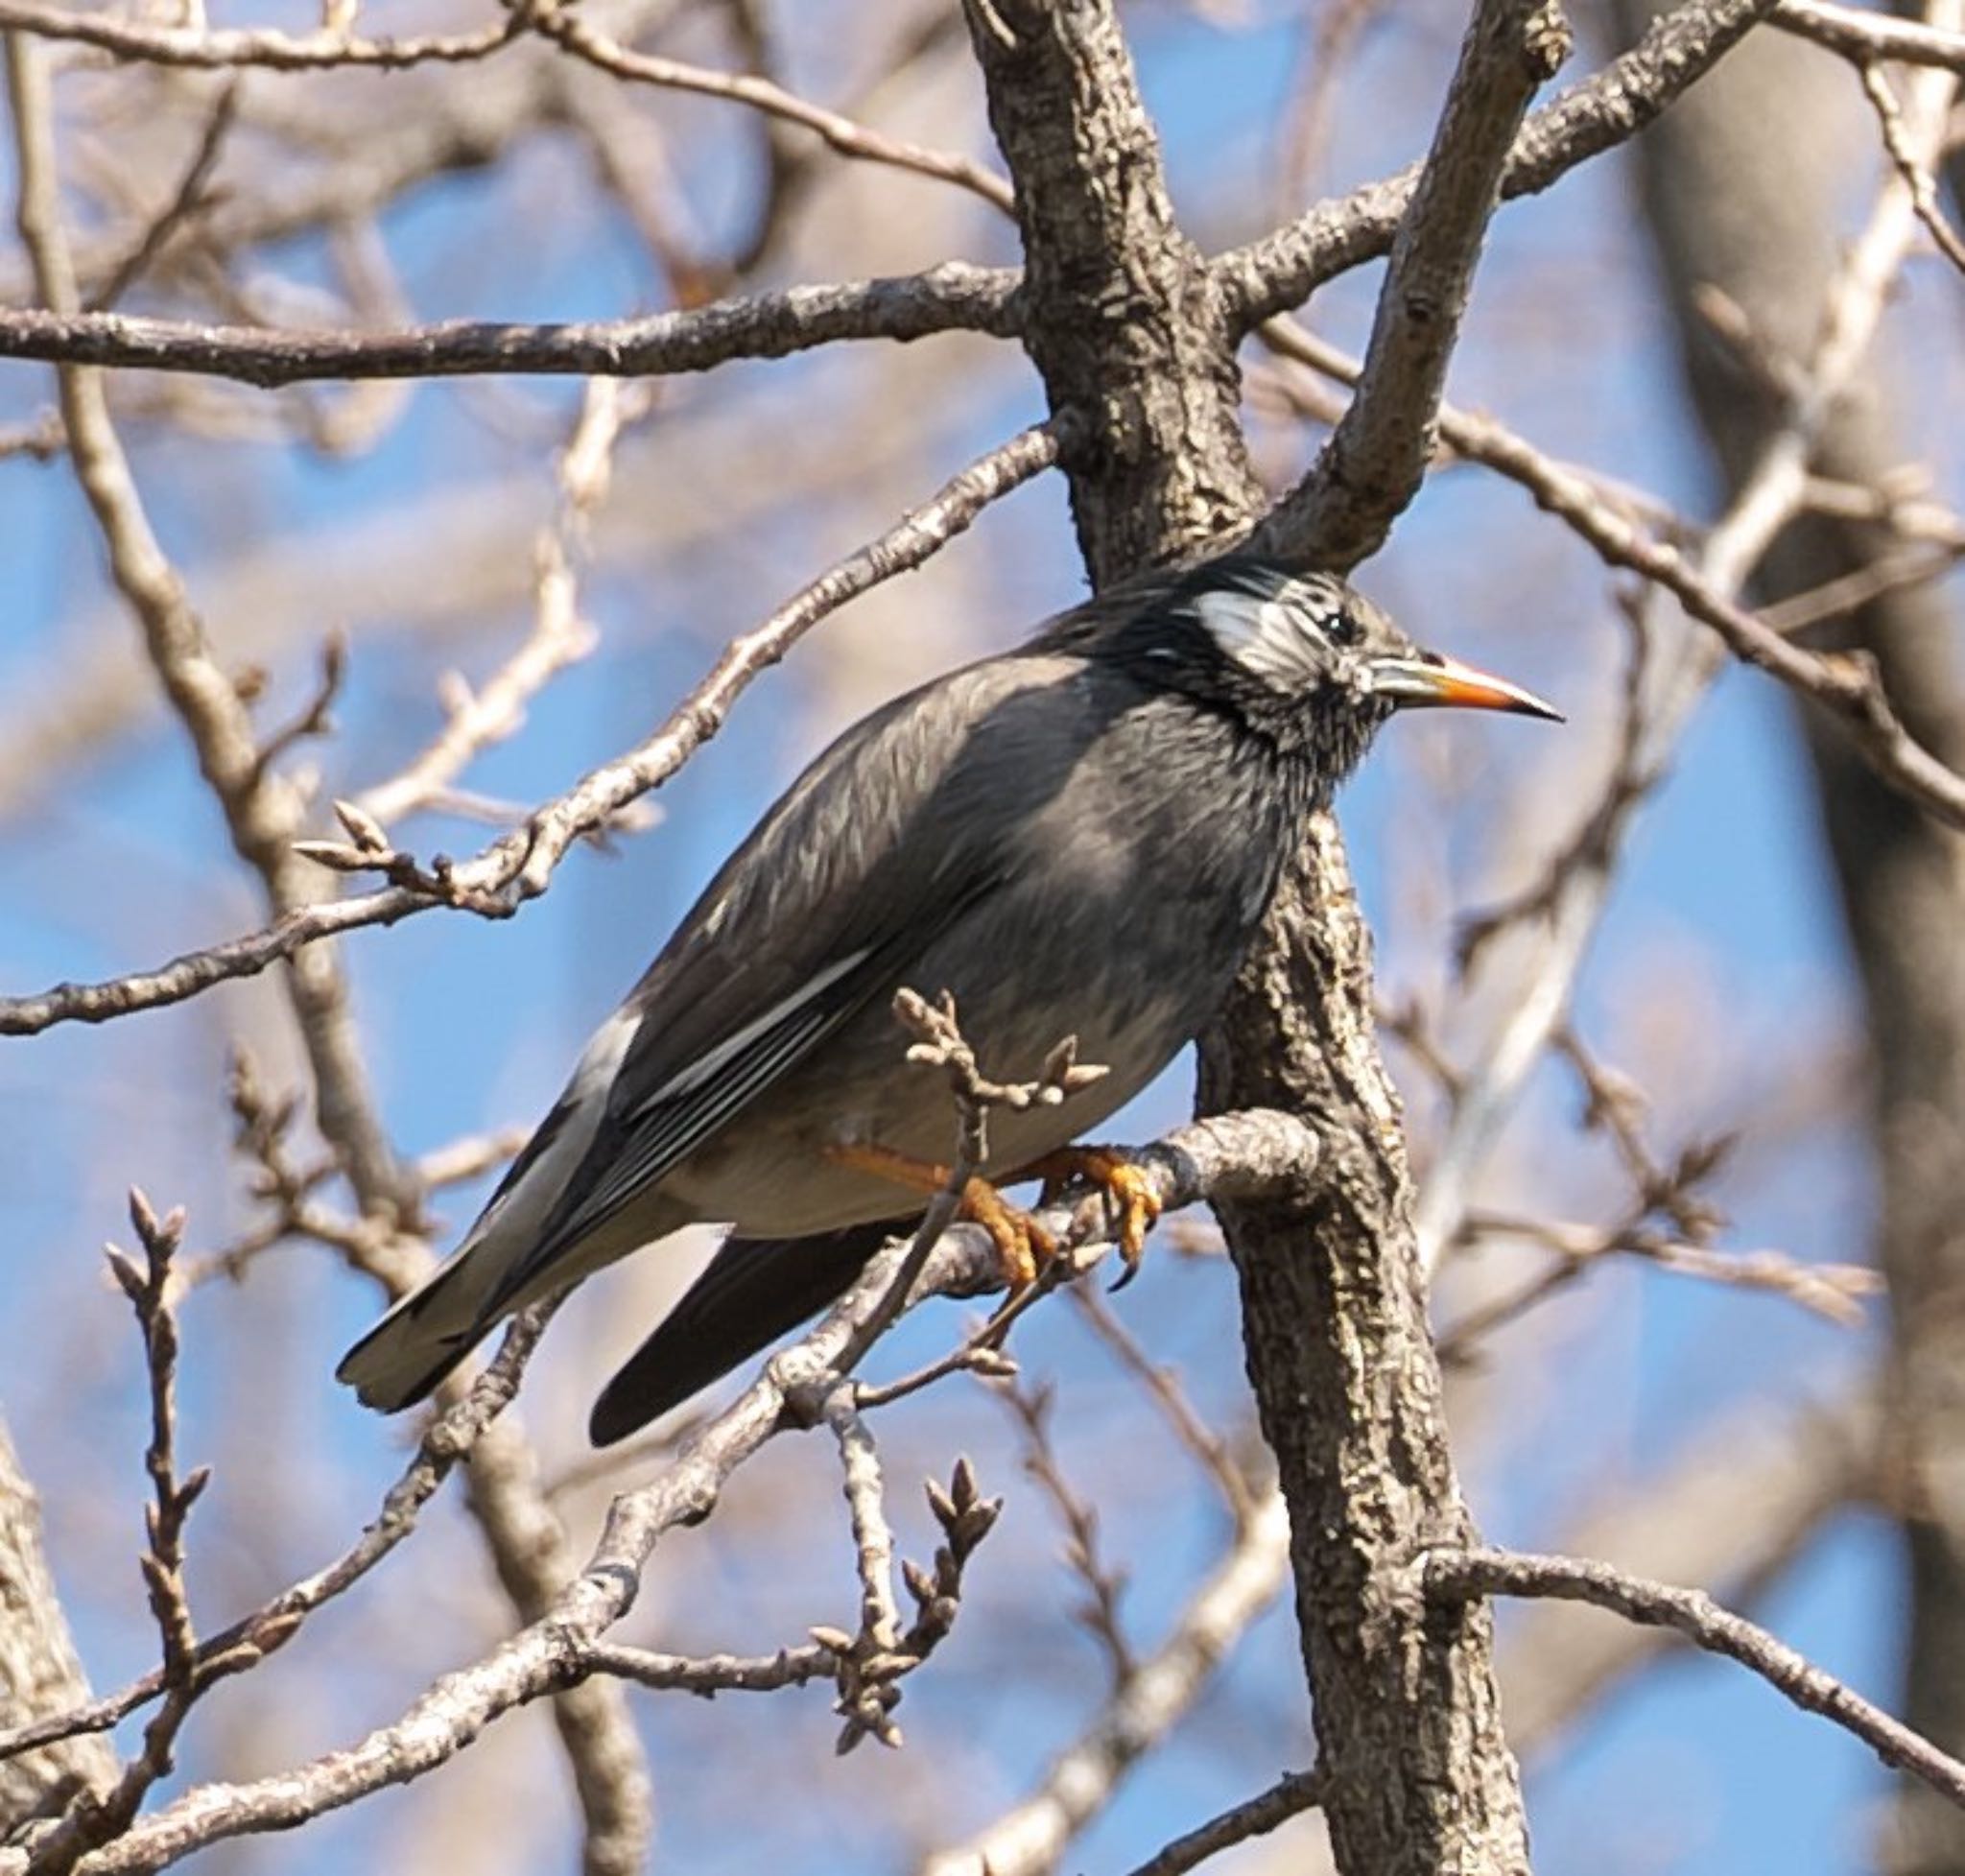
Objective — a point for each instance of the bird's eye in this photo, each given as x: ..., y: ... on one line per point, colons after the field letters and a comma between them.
x: 1342, y: 629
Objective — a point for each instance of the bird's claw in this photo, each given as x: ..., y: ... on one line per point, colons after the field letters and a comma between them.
x: 1023, y: 1246
x: 1130, y: 1197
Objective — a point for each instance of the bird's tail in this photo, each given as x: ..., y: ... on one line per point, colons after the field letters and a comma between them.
x: 426, y: 1335
x: 751, y: 1291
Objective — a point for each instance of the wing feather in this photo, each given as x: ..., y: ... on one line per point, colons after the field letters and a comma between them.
x: 822, y: 909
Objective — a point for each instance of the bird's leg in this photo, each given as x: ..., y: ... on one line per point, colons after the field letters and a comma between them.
x: 1127, y: 1190
x: 1023, y: 1246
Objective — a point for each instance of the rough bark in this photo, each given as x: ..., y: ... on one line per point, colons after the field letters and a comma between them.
x: 1121, y: 321
x: 39, y: 1671
x: 1742, y: 187
x: 1418, y: 1774
x: 1120, y: 316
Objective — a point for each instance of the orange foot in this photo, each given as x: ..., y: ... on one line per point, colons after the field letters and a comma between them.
x: 1127, y: 1189
x: 1023, y: 1246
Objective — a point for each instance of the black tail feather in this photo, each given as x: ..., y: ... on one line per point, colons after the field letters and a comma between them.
x: 751, y: 1293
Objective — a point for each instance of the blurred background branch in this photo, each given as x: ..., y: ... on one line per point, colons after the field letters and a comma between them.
x: 315, y: 518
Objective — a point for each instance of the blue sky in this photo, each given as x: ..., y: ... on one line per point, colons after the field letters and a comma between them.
x: 1722, y: 903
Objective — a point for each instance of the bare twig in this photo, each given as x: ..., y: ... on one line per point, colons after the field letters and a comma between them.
x: 261, y: 811
x: 1446, y: 1577
x: 1916, y: 174
x: 183, y: 1677
x: 1849, y: 592
x: 1265, y: 279
x: 447, y: 1438
x: 869, y: 1667
x: 202, y: 48
x: 41, y: 438
x: 1864, y: 35
x: 709, y: 1675
x: 1104, y: 1583
x: 579, y: 37
x: 1835, y: 1291
x: 561, y: 636
x: 186, y: 202
x: 519, y: 866
x: 1771, y: 491
x: 1731, y: 1510
x: 1163, y: 1387
x: 1243, y: 1153
x: 1281, y: 269
x: 950, y: 298
x: 873, y: 1544
x: 942, y: 1045
x: 1291, y: 1796
x: 1081, y: 1782
x: 1315, y: 86
x: 466, y: 1158
x: 209, y: 49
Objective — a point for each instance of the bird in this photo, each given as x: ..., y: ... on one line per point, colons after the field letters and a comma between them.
x: 1080, y: 835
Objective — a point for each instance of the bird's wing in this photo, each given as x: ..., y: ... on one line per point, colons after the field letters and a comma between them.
x: 888, y: 838
x: 652, y: 1130
x: 749, y: 1294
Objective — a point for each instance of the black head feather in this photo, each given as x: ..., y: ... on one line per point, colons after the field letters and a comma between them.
x: 1287, y: 654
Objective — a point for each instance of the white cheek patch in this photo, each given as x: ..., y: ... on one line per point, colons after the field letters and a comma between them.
x: 1269, y: 638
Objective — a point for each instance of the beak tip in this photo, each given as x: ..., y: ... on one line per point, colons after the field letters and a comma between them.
x: 1433, y: 681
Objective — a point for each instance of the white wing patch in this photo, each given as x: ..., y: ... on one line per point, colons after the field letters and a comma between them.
x: 705, y: 1068
x: 516, y: 1220
x: 1280, y: 638
x: 600, y: 1061
x: 668, y: 1124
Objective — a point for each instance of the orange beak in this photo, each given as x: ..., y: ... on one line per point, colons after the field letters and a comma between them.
x: 1429, y: 681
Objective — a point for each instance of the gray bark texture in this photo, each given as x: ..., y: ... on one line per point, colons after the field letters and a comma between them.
x: 39, y: 1671
x: 1746, y: 187
x: 1419, y: 1775
x: 1130, y: 338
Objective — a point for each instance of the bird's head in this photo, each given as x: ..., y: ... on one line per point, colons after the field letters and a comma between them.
x: 1302, y: 658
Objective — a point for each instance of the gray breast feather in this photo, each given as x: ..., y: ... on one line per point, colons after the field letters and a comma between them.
x: 821, y: 909
x: 1028, y: 834
x: 1119, y: 912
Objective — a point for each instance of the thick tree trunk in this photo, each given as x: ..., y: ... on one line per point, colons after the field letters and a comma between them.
x: 40, y: 1673
x: 1123, y: 322
x: 1334, y: 1311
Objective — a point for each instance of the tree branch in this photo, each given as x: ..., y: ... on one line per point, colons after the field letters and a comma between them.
x: 1119, y: 313
x: 1032, y: 1838
x: 1864, y: 35
x: 1282, y: 270
x: 1290, y: 1796
x: 1242, y: 1153
x: 950, y: 298
x: 1252, y: 283
x: 1733, y: 1512
x: 520, y: 866
x: 1450, y: 1578
x: 1374, y: 463
x: 446, y: 1438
